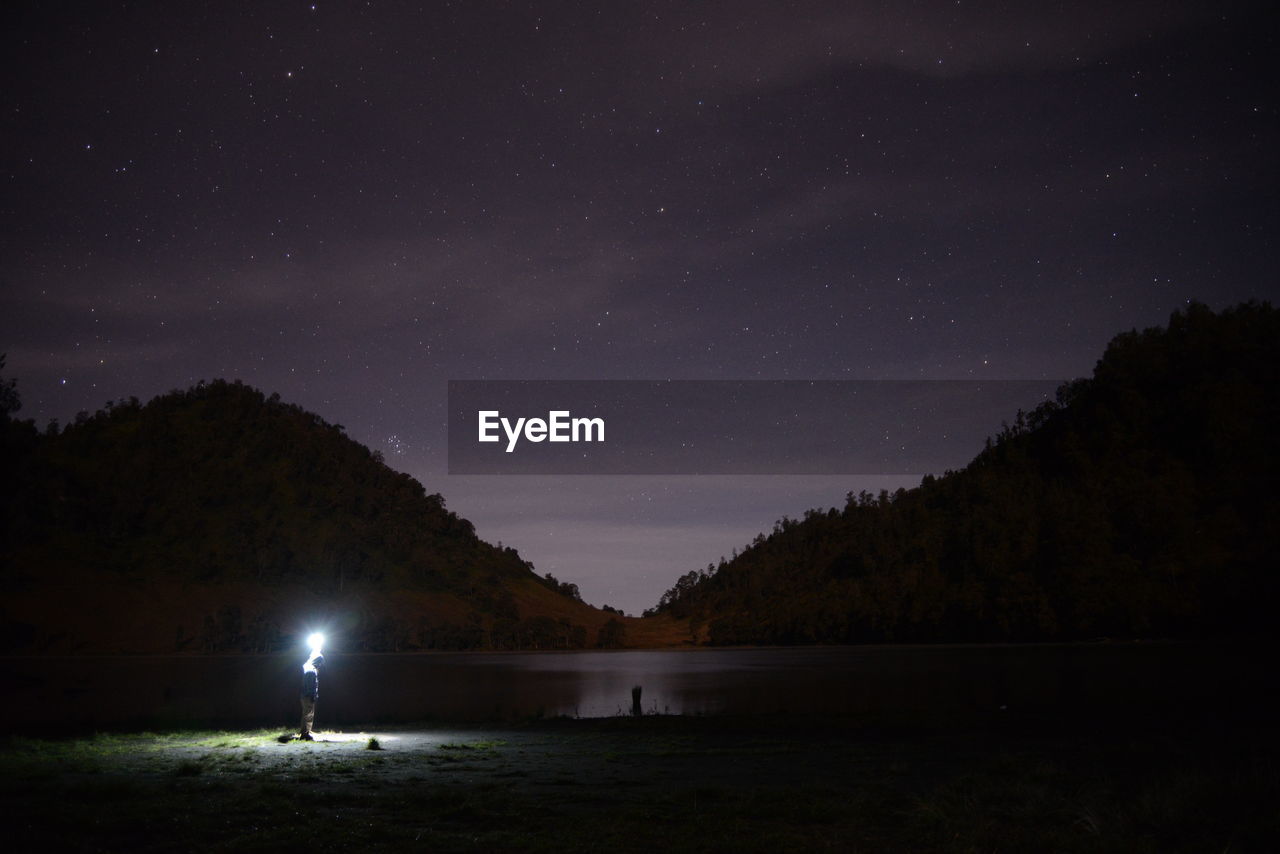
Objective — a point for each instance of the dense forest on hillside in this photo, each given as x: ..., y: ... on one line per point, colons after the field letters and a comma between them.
x: 1144, y: 502
x: 220, y: 487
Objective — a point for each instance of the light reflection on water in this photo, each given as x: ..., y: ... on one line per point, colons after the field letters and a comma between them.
x: 355, y: 688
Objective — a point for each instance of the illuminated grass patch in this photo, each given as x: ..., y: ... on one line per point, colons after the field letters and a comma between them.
x: 669, y: 785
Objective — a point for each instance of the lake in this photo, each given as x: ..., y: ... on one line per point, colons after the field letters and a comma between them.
x: 138, y: 691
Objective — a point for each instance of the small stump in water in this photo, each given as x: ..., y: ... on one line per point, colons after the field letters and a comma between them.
x: 635, y: 701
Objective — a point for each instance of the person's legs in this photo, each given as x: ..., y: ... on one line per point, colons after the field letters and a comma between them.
x: 308, y: 716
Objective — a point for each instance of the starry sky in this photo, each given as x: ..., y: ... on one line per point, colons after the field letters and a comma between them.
x: 352, y: 203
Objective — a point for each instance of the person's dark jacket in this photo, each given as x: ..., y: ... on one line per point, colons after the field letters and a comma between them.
x: 310, y: 683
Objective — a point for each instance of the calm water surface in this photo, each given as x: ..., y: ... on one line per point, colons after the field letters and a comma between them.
x: 236, y: 690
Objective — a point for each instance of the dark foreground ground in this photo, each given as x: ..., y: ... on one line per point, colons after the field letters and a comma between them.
x: 999, y: 782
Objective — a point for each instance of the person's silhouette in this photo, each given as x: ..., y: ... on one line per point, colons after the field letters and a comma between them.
x: 310, y: 691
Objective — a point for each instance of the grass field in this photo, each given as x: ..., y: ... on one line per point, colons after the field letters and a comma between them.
x: 656, y: 784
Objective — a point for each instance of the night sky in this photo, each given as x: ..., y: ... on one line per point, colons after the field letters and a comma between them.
x: 352, y: 203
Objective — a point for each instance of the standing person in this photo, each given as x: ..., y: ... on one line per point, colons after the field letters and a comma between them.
x: 310, y: 691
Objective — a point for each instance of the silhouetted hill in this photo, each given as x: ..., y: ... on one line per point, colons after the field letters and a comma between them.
x: 1143, y: 503
x: 217, y: 519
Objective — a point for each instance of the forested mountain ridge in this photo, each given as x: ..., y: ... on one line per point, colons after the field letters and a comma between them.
x: 219, y: 519
x: 1144, y: 502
